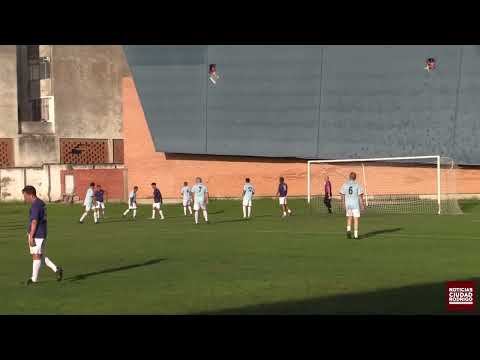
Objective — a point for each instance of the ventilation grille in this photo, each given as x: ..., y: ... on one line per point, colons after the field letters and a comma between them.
x: 78, y: 151
x: 6, y: 153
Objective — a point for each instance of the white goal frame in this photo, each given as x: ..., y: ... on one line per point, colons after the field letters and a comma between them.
x: 431, y: 157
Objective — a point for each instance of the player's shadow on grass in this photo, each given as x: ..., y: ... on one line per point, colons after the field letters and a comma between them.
x: 418, y: 299
x: 241, y: 219
x: 115, y: 269
x: 379, y: 232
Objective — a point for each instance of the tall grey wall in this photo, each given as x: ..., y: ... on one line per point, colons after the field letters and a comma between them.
x: 311, y: 101
x: 8, y: 91
x: 87, y: 84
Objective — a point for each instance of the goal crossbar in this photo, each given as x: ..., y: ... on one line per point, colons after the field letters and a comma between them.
x: 398, y: 158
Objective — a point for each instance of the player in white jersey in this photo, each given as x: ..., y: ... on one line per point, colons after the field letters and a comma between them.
x: 89, y: 204
x: 352, y: 197
x: 132, y: 203
x: 248, y: 192
x: 186, y: 194
x: 200, y: 197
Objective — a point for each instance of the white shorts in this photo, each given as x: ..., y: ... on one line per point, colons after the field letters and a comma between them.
x: 186, y: 202
x: 157, y: 206
x: 133, y: 206
x: 197, y: 206
x: 353, y: 212
x: 247, y: 202
x: 100, y: 205
x: 282, y: 200
x: 39, y: 247
x: 89, y: 207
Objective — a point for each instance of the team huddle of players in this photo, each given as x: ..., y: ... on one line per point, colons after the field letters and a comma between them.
x: 351, y: 193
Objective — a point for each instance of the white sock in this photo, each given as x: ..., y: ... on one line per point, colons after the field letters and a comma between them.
x: 355, y: 233
x: 349, y: 228
x: 83, y: 216
x: 196, y: 217
x: 37, y: 264
x: 190, y: 209
x: 95, y: 216
x: 153, y: 214
x: 126, y: 212
x: 161, y: 214
x: 249, y: 211
x: 289, y: 211
x: 205, y: 215
x: 284, y: 213
x: 244, y: 211
x: 134, y: 213
x: 50, y: 264
x: 185, y: 210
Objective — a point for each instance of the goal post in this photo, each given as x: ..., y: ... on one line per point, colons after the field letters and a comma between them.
x: 406, y: 184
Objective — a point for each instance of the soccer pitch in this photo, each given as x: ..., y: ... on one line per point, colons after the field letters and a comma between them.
x: 299, y: 265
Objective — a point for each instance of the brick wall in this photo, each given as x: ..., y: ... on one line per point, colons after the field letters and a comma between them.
x: 225, y: 175
x: 111, y: 180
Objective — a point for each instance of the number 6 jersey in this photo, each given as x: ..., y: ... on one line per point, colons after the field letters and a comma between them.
x: 352, y: 191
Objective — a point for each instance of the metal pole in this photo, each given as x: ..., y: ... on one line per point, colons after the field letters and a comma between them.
x: 308, y: 181
x: 365, y: 184
x: 438, y: 185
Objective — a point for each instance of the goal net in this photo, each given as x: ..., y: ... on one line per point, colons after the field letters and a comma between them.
x: 409, y: 185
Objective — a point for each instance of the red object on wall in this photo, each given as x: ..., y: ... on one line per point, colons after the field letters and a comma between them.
x: 111, y: 180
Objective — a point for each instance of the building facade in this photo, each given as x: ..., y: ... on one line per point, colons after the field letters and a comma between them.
x: 70, y: 115
x: 61, y: 119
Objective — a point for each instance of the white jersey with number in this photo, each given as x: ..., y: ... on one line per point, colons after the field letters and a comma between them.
x: 352, y: 191
x: 199, y: 191
x: 249, y: 191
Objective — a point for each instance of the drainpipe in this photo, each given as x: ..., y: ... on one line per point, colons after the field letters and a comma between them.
x: 49, y: 184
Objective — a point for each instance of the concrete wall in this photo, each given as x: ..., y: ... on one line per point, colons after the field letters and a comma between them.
x: 48, y: 186
x: 87, y: 85
x: 8, y: 92
x: 11, y: 184
x: 224, y: 175
x: 336, y: 101
x: 36, y: 150
x: 48, y: 180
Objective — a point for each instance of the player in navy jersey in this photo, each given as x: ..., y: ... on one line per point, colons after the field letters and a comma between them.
x: 100, y: 202
x: 37, y: 235
x: 282, y: 193
x: 157, y: 202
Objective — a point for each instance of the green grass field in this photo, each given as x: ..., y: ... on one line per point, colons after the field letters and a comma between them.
x: 268, y: 265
